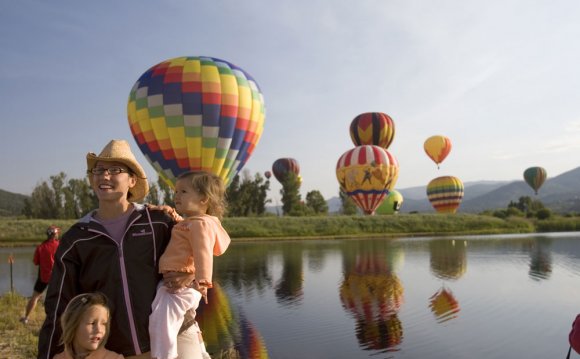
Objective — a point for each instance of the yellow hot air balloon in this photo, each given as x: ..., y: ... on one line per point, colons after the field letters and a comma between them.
x: 437, y: 148
x: 445, y: 193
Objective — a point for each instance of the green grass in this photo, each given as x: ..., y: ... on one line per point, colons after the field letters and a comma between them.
x: 18, y: 232
x: 17, y: 340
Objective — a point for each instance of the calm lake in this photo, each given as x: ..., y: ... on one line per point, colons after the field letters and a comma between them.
x: 462, y: 297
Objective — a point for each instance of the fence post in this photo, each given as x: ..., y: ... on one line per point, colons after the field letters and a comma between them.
x: 11, y: 262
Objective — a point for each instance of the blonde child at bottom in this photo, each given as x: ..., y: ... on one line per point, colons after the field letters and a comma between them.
x: 85, y: 328
x: 200, y: 199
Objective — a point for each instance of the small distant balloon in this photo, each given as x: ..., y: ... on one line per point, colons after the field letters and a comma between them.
x: 283, y: 166
x: 372, y: 128
x: 366, y: 174
x: 267, y: 174
x: 535, y: 177
x: 437, y: 148
x: 445, y: 193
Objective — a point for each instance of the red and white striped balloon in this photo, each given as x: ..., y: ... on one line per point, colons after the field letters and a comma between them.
x: 367, y: 173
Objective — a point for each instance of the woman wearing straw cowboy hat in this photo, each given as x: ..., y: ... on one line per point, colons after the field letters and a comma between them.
x: 115, y: 250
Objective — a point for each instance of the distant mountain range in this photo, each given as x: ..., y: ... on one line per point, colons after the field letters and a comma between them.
x: 560, y: 194
x: 11, y: 204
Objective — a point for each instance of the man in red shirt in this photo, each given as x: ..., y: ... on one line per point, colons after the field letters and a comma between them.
x: 44, y: 259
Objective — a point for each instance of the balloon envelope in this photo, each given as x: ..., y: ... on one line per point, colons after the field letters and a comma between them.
x: 445, y: 193
x: 372, y: 128
x: 437, y: 148
x: 391, y: 204
x: 535, y: 177
x: 367, y: 173
x: 196, y: 113
x: 283, y: 166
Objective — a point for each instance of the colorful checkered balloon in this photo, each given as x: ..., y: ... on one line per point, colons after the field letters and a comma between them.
x: 196, y: 113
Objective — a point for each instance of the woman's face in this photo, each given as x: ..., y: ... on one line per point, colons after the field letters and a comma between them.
x: 110, y: 187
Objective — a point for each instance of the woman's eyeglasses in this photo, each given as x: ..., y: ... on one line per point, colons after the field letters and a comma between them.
x: 113, y: 171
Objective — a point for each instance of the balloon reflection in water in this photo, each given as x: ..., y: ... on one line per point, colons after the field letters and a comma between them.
x: 444, y: 305
x: 226, y: 333
x: 540, y: 259
x: 448, y: 258
x: 289, y: 287
x: 373, y: 294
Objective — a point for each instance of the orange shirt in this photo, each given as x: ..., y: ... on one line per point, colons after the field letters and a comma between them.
x: 194, y: 242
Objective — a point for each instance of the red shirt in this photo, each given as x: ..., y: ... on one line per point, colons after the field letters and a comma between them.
x: 44, y: 257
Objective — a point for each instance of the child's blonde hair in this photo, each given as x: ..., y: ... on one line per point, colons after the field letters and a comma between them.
x: 209, y: 185
x: 75, y: 309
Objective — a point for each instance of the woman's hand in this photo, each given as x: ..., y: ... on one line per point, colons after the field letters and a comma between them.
x: 174, y: 281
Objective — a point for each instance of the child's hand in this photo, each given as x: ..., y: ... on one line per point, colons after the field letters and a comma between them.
x: 203, y: 291
x: 170, y: 211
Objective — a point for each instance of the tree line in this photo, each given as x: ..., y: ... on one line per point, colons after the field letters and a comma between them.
x: 247, y: 195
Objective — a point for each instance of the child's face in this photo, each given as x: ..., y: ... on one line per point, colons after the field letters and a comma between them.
x: 188, y: 201
x: 92, y: 329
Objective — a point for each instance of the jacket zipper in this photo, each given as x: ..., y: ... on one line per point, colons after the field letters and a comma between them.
x: 125, y: 284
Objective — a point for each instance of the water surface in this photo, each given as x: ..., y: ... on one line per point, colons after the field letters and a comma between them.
x: 463, y: 297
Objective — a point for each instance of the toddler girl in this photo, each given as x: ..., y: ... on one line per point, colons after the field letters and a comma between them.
x: 200, y: 198
x: 85, y: 328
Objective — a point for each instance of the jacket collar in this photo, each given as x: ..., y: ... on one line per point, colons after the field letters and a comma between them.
x: 87, y: 218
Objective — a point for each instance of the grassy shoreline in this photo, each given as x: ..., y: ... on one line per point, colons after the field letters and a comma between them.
x: 17, y: 340
x: 26, y: 232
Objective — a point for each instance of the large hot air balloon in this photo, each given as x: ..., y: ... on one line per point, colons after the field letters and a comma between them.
x: 372, y: 128
x: 445, y: 193
x: 196, y: 113
x: 437, y: 148
x: 367, y: 173
x: 535, y: 177
x: 391, y: 204
x: 283, y: 166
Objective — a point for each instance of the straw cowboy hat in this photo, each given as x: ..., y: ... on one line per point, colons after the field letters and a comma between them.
x: 120, y: 151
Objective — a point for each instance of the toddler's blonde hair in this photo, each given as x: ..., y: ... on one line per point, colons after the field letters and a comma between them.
x: 209, y: 185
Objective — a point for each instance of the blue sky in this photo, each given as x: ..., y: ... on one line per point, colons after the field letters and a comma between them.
x: 500, y: 78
